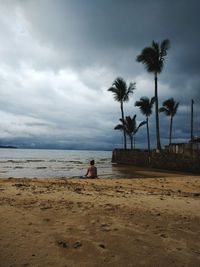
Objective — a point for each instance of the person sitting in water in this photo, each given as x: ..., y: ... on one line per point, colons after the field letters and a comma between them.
x: 91, y: 171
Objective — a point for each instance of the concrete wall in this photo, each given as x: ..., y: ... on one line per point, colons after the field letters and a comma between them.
x: 162, y: 160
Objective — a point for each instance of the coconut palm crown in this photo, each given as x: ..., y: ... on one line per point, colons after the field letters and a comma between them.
x: 145, y: 105
x: 153, y: 57
x: 122, y: 93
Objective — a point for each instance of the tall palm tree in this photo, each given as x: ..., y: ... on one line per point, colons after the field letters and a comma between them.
x: 170, y: 107
x: 121, y: 94
x: 145, y: 105
x: 130, y: 127
x: 153, y: 58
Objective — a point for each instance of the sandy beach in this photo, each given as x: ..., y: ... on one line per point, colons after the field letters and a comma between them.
x: 151, y: 221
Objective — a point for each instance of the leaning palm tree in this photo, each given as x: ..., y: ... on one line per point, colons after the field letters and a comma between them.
x: 145, y: 105
x: 121, y: 94
x: 170, y: 108
x: 153, y: 58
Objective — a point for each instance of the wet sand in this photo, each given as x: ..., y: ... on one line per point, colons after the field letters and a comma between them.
x: 101, y: 222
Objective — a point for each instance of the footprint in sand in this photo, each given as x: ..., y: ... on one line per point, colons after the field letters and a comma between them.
x: 102, y: 246
x: 66, y: 244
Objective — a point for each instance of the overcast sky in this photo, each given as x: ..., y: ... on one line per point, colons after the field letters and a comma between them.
x: 58, y: 58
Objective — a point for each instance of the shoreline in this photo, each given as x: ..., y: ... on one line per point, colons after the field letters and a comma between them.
x: 116, y: 171
x: 100, y: 222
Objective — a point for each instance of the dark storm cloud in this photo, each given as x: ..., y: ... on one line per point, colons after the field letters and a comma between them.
x: 97, y: 26
x: 59, y: 57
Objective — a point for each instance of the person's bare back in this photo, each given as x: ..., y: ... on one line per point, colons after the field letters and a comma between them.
x: 91, y: 171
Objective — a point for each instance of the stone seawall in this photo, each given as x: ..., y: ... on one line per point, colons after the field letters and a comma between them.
x: 162, y: 160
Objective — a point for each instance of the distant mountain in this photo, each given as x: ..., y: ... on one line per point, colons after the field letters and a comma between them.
x: 8, y: 147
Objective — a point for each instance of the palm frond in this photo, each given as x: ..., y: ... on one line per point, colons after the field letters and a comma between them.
x: 148, y: 58
x: 153, y: 99
x: 155, y: 47
x: 119, y: 127
x: 175, y: 108
x: 140, y: 125
x: 113, y: 89
x: 164, y: 47
x: 115, y: 93
x: 169, y: 102
x: 129, y: 91
x: 164, y: 110
x: 138, y: 103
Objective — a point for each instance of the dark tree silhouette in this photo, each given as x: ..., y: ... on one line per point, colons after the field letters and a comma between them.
x: 145, y: 105
x: 153, y: 58
x: 121, y: 94
x: 130, y: 127
x: 170, y: 108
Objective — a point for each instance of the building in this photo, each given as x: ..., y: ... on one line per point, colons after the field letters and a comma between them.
x: 187, y: 149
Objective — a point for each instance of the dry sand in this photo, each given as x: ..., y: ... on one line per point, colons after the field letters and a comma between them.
x: 101, y: 222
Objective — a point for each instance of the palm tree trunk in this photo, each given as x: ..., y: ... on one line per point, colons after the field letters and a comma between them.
x: 131, y: 138
x: 147, y: 120
x: 170, y: 130
x: 124, y: 131
x: 157, y: 116
x: 149, y: 149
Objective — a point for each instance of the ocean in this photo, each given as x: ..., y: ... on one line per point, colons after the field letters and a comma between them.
x: 44, y: 163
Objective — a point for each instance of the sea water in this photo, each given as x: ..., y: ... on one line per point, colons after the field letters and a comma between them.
x: 44, y: 163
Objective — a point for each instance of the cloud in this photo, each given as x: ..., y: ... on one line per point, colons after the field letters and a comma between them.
x: 59, y: 57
